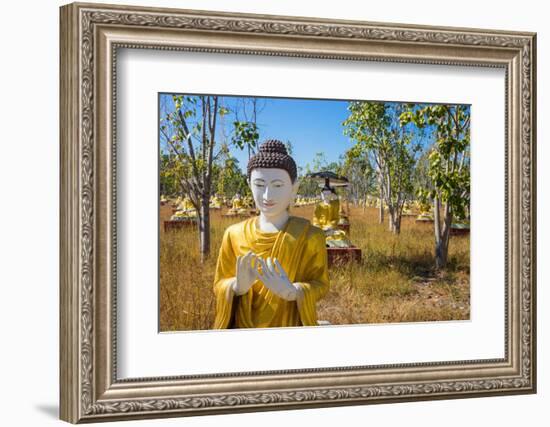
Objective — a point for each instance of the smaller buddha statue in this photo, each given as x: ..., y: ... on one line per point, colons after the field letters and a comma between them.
x: 326, y: 214
x: 188, y: 207
x: 247, y: 202
x: 185, y: 210
x: 236, y: 203
x: 337, y: 239
x: 215, y: 202
x: 327, y: 217
x: 237, y: 206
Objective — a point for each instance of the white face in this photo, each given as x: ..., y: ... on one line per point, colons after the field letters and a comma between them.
x: 272, y: 190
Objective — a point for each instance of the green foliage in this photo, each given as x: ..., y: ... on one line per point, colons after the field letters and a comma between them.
x: 169, y: 176
x: 385, y: 148
x: 245, y: 135
x: 360, y: 173
x: 193, y: 162
x: 229, y: 179
x: 448, y: 159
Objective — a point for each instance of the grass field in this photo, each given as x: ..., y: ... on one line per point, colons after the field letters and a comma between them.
x: 395, y: 282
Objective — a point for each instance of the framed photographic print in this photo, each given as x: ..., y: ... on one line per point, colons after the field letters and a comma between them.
x: 267, y: 212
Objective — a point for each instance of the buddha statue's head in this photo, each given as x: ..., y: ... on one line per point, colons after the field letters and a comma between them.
x: 272, y: 178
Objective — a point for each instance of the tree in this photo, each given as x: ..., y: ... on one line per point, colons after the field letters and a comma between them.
x: 388, y: 147
x: 448, y: 167
x: 230, y: 179
x: 169, y: 177
x: 360, y: 173
x: 245, y: 135
x: 246, y: 132
x: 188, y: 135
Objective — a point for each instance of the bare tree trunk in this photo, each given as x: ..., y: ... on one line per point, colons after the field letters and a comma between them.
x: 442, y: 233
x: 381, y: 209
x: 398, y: 224
x: 437, y: 231
x: 446, y: 232
x: 391, y: 221
x: 395, y: 220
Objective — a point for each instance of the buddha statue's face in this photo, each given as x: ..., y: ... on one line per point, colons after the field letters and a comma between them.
x: 273, y: 191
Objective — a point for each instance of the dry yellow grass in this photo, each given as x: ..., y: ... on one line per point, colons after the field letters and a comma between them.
x: 395, y: 282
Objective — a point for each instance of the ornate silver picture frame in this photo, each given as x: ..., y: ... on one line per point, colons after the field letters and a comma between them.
x: 91, y: 36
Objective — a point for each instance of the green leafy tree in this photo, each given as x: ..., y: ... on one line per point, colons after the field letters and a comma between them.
x: 231, y: 180
x: 386, y: 145
x: 169, y: 176
x: 245, y: 135
x: 448, y: 167
x: 360, y: 173
x: 188, y: 135
x: 246, y: 132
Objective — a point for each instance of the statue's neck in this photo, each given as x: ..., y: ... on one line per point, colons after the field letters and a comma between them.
x: 273, y: 224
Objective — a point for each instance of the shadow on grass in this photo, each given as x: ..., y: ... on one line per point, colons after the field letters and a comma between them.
x: 413, y: 265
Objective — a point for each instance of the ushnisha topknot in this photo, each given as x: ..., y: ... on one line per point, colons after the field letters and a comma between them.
x: 272, y: 154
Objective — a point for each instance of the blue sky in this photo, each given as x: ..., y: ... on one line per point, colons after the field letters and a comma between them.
x: 311, y: 125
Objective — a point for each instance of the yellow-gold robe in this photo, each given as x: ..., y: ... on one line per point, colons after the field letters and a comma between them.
x: 326, y: 215
x: 299, y: 247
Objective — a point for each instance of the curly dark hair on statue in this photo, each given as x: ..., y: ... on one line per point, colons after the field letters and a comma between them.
x: 273, y: 154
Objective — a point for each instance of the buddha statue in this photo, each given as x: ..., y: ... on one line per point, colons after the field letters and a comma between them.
x: 189, y: 208
x: 215, y: 202
x: 237, y: 206
x: 327, y: 211
x: 272, y: 268
x: 185, y: 210
x: 247, y: 202
x: 237, y: 202
x: 327, y: 217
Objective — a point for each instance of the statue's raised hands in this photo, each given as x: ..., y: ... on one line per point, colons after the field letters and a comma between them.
x: 246, y: 273
x: 273, y: 276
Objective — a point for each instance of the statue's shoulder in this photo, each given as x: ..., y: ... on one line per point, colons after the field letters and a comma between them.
x: 299, y: 221
x: 238, y: 228
x: 313, y: 231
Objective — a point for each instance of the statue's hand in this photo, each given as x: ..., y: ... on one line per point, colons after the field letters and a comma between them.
x: 246, y: 273
x: 275, y: 278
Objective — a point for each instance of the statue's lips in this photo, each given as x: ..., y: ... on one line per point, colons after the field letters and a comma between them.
x: 268, y: 205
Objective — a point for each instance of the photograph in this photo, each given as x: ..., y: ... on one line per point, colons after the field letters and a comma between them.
x: 281, y: 212
x: 269, y: 211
